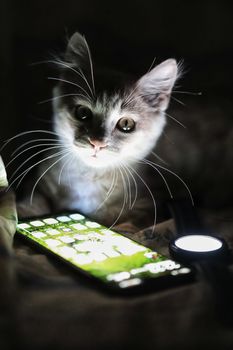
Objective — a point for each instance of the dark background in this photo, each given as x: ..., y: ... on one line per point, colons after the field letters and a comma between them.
x: 53, y: 310
x: 125, y: 35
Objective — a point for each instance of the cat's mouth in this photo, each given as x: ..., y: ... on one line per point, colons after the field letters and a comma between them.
x: 96, y: 157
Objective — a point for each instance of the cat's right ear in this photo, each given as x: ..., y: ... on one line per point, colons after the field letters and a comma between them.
x: 78, y: 52
x: 155, y: 87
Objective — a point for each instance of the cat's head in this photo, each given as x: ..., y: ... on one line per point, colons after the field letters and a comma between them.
x: 113, y: 124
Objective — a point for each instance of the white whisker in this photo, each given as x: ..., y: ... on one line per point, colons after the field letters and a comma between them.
x: 159, y: 172
x: 129, y: 185
x: 35, y: 146
x: 124, y: 186
x: 31, y: 141
x: 80, y: 73
x: 152, y: 64
x: 176, y: 99
x: 187, y: 92
x: 24, y: 173
x: 52, y: 165
x: 28, y: 159
x: 68, y: 175
x: 135, y: 186
x: 62, y: 168
x: 159, y: 158
x: 110, y: 190
x: 71, y: 83
x: 151, y: 194
x: 178, y: 177
x: 121, y: 211
x: 26, y: 133
x: 177, y: 121
x: 130, y: 96
x: 91, y: 65
x: 65, y: 95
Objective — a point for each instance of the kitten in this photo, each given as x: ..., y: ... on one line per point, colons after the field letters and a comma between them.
x: 105, y: 128
x: 108, y: 130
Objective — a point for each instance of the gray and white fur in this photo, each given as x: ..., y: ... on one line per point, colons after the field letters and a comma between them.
x: 104, y: 130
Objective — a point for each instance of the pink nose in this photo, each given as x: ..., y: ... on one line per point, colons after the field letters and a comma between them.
x: 97, y: 144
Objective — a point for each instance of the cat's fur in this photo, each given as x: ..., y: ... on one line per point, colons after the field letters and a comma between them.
x: 114, y: 183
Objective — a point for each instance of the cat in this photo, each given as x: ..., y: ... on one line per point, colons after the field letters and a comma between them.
x: 114, y: 145
x: 103, y: 135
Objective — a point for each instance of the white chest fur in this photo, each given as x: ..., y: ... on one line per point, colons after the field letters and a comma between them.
x: 87, y: 190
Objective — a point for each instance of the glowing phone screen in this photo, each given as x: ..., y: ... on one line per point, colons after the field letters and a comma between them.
x: 100, y: 252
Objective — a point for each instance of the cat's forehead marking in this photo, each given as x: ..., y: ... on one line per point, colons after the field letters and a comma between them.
x: 106, y: 103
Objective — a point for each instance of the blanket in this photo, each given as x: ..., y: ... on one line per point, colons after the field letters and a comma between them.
x: 45, y: 306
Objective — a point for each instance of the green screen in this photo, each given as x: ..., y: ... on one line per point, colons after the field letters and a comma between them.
x: 103, y: 253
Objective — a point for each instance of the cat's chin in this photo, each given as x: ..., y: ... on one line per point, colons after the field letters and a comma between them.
x: 97, y: 163
x: 100, y: 160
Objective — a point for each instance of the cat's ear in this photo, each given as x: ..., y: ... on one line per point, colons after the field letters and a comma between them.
x: 155, y: 87
x: 78, y: 52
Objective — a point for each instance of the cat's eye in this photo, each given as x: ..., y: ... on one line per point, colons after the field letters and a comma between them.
x: 83, y: 113
x: 126, y: 124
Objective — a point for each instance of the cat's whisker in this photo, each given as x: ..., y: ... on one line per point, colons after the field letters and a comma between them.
x: 40, y: 177
x: 28, y: 159
x: 71, y: 83
x: 151, y: 194
x: 120, y: 213
x: 32, y: 141
x: 159, y: 172
x: 135, y: 99
x: 24, y: 173
x: 110, y: 190
x: 135, y: 185
x: 62, y: 168
x: 152, y: 64
x: 64, y: 64
x: 199, y: 93
x: 130, y: 96
x: 91, y: 64
x: 65, y: 95
x: 80, y: 73
x: 68, y: 172
x: 159, y: 158
x: 83, y: 75
x: 30, y: 168
x: 124, y: 186
x: 6, y: 142
x: 176, y: 120
x: 139, y: 97
x: 112, y: 186
x: 129, y: 185
x: 35, y: 146
x: 178, y: 177
x: 177, y: 100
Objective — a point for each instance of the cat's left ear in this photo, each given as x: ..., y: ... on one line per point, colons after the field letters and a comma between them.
x: 78, y: 52
x: 155, y: 87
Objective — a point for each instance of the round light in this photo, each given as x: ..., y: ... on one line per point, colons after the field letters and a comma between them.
x: 198, y: 243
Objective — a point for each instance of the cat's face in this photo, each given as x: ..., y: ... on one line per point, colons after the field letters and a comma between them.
x: 109, y: 128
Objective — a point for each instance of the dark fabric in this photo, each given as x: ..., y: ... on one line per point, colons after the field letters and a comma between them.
x: 52, y: 308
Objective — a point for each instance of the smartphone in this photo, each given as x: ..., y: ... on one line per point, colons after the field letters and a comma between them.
x: 111, y: 259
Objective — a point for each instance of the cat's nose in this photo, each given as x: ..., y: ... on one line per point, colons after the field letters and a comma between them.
x: 97, y: 144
